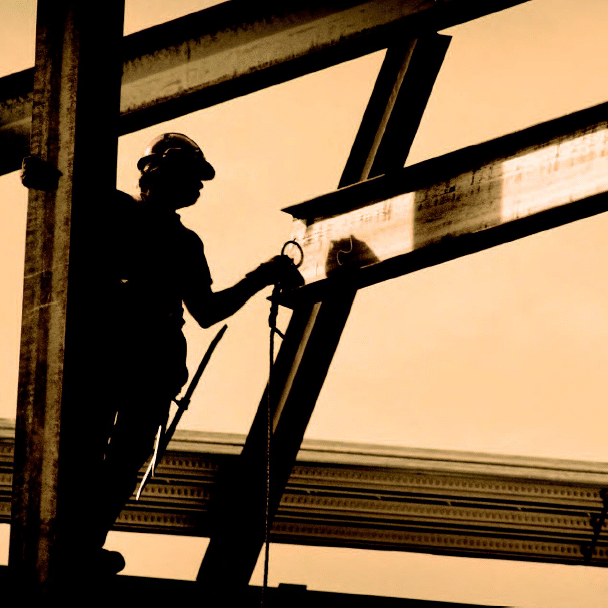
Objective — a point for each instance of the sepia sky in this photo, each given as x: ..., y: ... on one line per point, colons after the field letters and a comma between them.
x: 505, y: 351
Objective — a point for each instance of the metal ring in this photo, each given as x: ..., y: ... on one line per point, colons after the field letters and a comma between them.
x: 299, y: 247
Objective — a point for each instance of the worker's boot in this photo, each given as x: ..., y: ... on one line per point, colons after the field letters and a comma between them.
x: 111, y: 562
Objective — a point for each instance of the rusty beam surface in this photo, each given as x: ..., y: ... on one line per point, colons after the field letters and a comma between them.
x: 381, y: 497
x: 75, y: 112
x: 460, y: 203
x: 237, y: 48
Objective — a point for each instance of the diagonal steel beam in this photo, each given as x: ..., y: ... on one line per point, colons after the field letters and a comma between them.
x: 387, y: 131
x: 297, y: 377
x: 236, y: 48
x: 310, y: 343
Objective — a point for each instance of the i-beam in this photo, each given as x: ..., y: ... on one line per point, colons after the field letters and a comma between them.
x: 237, y: 48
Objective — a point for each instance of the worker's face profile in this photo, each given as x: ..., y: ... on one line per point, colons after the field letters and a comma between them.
x: 187, y: 192
x: 176, y: 185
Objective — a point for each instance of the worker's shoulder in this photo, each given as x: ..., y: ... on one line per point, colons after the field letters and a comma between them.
x: 121, y: 203
x: 124, y: 200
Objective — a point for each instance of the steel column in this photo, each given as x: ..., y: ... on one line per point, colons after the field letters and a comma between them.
x: 74, y: 128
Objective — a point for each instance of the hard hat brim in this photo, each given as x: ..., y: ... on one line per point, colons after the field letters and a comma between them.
x: 205, y: 170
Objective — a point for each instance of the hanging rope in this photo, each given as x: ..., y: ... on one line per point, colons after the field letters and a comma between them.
x: 272, y: 323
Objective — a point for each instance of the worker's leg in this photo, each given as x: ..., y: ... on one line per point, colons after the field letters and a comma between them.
x: 131, y: 443
x: 144, y: 381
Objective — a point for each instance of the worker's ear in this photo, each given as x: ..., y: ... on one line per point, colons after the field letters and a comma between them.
x: 39, y: 174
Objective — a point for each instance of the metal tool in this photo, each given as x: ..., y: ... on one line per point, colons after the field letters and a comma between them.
x: 163, y: 438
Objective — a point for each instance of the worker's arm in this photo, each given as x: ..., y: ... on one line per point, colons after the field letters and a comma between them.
x: 209, y: 307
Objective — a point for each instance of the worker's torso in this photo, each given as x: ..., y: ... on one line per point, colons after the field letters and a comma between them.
x: 150, y: 259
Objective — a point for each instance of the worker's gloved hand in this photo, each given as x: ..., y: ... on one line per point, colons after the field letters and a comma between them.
x: 279, y: 269
x: 39, y: 174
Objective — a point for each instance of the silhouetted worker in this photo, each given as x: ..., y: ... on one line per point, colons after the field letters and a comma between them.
x: 154, y: 266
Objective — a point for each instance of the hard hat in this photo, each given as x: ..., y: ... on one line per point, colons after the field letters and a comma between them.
x: 178, y: 147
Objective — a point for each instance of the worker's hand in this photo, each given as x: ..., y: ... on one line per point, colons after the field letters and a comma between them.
x: 279, y: 269
x: 39, y: 174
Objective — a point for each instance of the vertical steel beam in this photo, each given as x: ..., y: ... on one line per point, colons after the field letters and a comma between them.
x: 238, y: 515
x: 74, y: 129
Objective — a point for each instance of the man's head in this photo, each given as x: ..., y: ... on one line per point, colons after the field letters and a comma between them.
x: 173, y: 168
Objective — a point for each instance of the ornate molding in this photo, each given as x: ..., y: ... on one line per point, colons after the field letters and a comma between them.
x: 462, y: 544
x: 383, y: 498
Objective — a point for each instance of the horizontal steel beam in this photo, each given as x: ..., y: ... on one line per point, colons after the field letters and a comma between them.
x: 236, y: 48
x: 355, y: 495
x: 460, y: 203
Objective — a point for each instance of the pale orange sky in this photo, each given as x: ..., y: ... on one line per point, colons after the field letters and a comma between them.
x: 504, y: 351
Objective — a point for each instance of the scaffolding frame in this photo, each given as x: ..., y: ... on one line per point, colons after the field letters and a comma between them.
x: 282, y: 41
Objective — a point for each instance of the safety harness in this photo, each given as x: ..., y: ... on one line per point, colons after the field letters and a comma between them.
x: 274, y: 330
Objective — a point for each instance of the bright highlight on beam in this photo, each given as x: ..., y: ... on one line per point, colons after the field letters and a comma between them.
x: 386, y: 227
x: 561, y: 173
x: 536, y: 178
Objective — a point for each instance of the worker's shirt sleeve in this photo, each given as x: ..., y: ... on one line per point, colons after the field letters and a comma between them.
x: 197, y: 268
x: 196, y: 282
